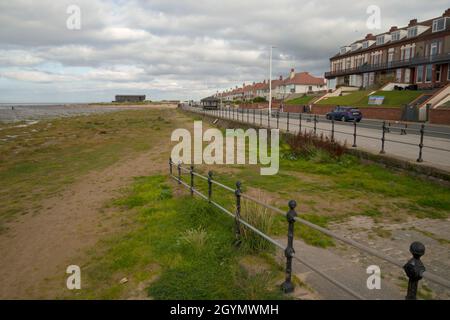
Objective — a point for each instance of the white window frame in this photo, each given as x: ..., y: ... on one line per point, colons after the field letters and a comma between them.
x: 426, y: 73
x: 365, y: 44
x: 419, y: 68
x: 436, y: 22
x: 436, y: 46
x: 382, y: 42
x: 415, y: 32
x: 395, y: 35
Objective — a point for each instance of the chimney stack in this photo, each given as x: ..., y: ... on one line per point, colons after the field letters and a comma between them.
x: 412, y: 22
x: 446, y: 13
x: 393, y: 28
x: 281, y: 77
x: 292, y: 74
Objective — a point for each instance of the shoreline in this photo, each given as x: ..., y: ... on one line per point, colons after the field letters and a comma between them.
x: 39, y: 112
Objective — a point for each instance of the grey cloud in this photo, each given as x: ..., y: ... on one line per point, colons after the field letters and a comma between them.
x: 183, y: 49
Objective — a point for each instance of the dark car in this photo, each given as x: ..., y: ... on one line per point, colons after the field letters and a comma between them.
x: 345, y: 114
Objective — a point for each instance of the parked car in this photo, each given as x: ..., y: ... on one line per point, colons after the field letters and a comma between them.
x: 345, y: 114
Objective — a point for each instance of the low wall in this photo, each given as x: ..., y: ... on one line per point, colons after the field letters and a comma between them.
x: 381, y: 113
x: 439, y: 116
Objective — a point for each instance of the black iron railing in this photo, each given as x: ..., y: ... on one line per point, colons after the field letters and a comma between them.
x: 414, y: 268
x: 302, y: 122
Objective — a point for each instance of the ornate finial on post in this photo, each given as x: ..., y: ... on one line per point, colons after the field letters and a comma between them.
x: 287, y: 285
x: 414, y: 269
x: 237, y: 216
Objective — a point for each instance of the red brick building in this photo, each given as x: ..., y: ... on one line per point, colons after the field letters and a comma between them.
x: 418, y: 53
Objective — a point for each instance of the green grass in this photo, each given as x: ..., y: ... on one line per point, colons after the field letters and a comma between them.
x: 189, y: 241
x: 395, y: 98
x: 46, y: 156
x: 300, y: 100
x: 352, y: 99
x: 361, y: 98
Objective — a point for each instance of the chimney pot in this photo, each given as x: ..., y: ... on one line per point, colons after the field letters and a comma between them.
x: 281, y: 77
x: 446, y: 13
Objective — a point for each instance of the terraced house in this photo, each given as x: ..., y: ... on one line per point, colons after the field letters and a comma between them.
x: 295, y: 83
x: 418, y: 53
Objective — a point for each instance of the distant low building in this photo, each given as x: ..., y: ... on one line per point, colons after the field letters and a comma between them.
x: 210, y: 103
x: 130, y: 98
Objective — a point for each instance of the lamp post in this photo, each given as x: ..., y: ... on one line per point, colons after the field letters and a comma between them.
x: 270, y: 81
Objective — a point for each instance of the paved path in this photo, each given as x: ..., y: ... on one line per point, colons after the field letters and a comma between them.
x: 435, y: 153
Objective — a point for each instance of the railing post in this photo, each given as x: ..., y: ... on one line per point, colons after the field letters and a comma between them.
x: 237, y: 217
x: 179, y: 172
x: 287, y: 122
x: 422, y: 131
x: 248, y: 115
x: 268, y: 118
x: 210, y: 174
x: 414, y: 269
x: 253, y: 116
x: 300, y: 122
x: 192, y: 179
x: 332, y: 130
x: 170, y: 166
x: 383, y: 137
x: 260, y: 118
x: 354, y: 134
x: 315, y: 124
x: 287, y: 285
x: 403, y: 130
x: 278, y: 119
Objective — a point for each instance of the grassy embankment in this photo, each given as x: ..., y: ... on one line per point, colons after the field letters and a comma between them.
x: 360, y: 98
x: 300, y: 100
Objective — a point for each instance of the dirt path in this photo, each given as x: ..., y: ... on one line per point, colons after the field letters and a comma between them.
x: 36, y: 250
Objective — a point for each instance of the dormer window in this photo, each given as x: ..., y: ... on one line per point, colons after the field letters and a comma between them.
x: 412, y: 32
x: 396, y: 36
x: 439, y: 24
x: 344, y: 50
x: 380, y: 40
x: 356, y: 46
x: 365, y: 44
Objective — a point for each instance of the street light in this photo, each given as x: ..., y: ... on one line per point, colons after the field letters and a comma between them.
x: 270, y: 81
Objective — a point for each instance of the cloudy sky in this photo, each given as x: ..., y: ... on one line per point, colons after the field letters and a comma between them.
x: 175, y: 49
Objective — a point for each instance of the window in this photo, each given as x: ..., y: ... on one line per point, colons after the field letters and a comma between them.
x: 412, y: 32
x: 380, y: 40
x: 396, y: 36
x: 434, y: 49
x: 344, y: 50
x: 398, y: 75
x: 419, y: 74
x: 438, y: 73
x: 365, y: 44
x: 428, y: 73
x: 439, y: 24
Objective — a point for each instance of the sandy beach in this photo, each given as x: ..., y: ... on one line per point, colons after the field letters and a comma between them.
x: 10, y: 113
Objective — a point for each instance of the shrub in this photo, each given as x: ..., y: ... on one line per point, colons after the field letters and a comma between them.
x: 195, y: 237
x: 311, y: 146
x: 260, y: 218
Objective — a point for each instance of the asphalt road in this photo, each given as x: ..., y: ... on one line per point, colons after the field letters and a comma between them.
x: 436, y: 140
